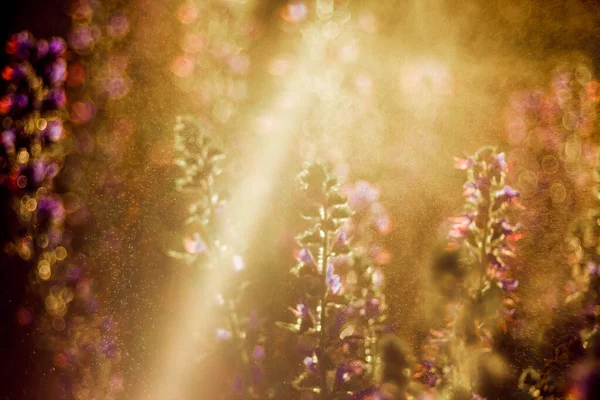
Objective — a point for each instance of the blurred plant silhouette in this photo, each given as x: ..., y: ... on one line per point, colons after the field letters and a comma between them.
x: 240, y: 337
x: 482, y: 299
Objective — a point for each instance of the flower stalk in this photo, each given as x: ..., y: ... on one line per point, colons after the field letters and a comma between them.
x: 482, y: 239
x: 340, y: 314
x: 209, y: 246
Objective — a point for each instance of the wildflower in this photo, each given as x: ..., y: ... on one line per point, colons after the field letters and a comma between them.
x: 483, y: 231
x: 258, y: 353
x: 241, y: 326
x: 57, y: 47
x: 50, y: 208
x: 333, y: 280
x: 510, y: 285
x: 311, y: 364
x: 500, y: 161
x: 195, y: 244
x: 463, y: 163
x: 361, y: 196
x: 507, y: 194
x: 223, y: 334
x: 460, y: 226
x: 301, y: 310
x: 305, y: 256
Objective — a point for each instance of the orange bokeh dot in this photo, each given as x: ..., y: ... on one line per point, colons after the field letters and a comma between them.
x: 5, y: 104
x: 7, y: 73
x: 182, y: 66
x: 187, y: 13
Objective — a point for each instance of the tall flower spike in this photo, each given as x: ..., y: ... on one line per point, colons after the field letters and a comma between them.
x: 339, y: 320
x: 212, y: 245
x: 200, y: 162
x: 71, y: 326
x: 326, y: 210
x: 485, y: 304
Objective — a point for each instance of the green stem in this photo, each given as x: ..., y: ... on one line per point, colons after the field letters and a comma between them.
x: 323, y: 310
x: 240, y: 343
x: 483, y: 255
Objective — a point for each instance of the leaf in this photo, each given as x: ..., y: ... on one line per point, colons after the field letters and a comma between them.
x: 310, y: 237
x: 340, y: 248
x: 575, y: 297
x: 334, y: 198
x: 185, y: 257
x: 332, y: 182
x: 354, y: 336
x: 213, y: 155
x: 340, y: 212
x: 297, y: 268
x: 311, y: 212
x: 289, y: 327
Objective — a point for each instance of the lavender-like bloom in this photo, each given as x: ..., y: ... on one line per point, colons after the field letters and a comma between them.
x: 483, y: 234
x: 344, y: 315
x: 31, y: 155
x: 333, y: 280
x: 29, y: 162
x: 209, y: 246
x: 327, y: 210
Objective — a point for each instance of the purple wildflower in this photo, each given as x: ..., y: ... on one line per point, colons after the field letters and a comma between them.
x: 108, y: 347
x: 56, y: 98
x: 7, y: 139
x: 510, y: 285
x: 258, y: 353
x: 57, y: 72
x: 223, y: 334
x: 460, y: 226
x: 507, y: 194
x: 333, y: 280
x: 301, y: 311
x: 52, y: 208
x: 304, y: 255
x: 54, y: 130
x: 57, y: 47
x: 484, y: 232
x: 362, y: 195
x: 195, y: 244
x: 500, y: 161
x: 20, y: 101
x: 463, y: 163
x: 373, y: 308
x: 311, y: 364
